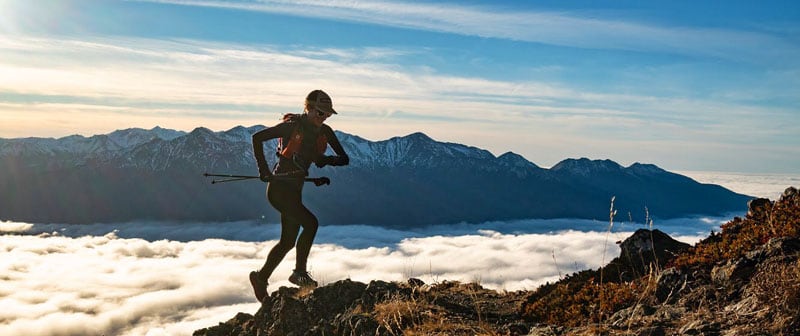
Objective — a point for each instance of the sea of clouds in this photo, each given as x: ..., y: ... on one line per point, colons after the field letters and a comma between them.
x: 152, y: 278
x: 759, y: 185
x: 171, y: 279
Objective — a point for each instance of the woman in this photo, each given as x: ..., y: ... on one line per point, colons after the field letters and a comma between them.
x: 303, y: 139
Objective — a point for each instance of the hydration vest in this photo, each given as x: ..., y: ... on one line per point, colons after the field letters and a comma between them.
x: 291, y: 146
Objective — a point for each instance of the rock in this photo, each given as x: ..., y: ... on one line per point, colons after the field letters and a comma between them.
x: 790, y: 192
x: 758, y: 205
x: 546, y: 331
x: 514, y: 329
x: 282, y: 314
x: 640, y: 252
x: 240, y: 325
x: 700, y: 327
x: 352, y: 323
x: 669, y: 313
x: 631, y: 315
x: 670, y: 283
x: 651, y: 331
x: 379, y: 290
x: 334, y: 299
x: 734, y: 271
x: 741, y: 269
x: 643, y: 241
x: 414, y: 282
x: 783, y: 246
x: 745, y: 307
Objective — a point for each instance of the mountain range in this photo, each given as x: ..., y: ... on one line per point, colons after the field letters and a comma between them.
x: 137, y: 174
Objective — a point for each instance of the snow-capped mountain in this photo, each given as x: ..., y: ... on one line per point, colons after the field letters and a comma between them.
x: 416, y: 149
x: 410, y: 180
x: 585, y: 167
x: 160, y: 148
x: 133, y: 137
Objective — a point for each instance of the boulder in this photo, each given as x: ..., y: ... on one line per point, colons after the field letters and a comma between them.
x: 734, y: 271
x: 669, y: 284
x: 640, y: 252
x: 758, y: 205
x: 240, y: 325
x: 790, y: 192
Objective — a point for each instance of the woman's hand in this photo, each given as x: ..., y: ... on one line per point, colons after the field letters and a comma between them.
x: 332, y: 161
x: 321, y: 180
x: 264, y: 174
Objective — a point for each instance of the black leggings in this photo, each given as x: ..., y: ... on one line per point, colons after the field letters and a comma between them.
x: 286, y: 197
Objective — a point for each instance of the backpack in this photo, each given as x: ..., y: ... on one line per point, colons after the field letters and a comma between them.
x: 289, y: 147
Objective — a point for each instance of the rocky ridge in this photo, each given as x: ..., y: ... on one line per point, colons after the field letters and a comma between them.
x: 744, y: 280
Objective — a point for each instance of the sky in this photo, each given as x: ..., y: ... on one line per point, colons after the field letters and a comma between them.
x: 685, y: 85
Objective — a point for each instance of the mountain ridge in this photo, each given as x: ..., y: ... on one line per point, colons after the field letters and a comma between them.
x: 426, y: 181
x: 133, y: 137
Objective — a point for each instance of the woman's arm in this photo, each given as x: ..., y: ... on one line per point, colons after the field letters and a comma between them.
x: 259, y: 137
x: 341, y: 158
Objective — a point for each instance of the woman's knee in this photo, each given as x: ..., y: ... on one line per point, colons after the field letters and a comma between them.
x: 311, y: 223
x: 285, y: 245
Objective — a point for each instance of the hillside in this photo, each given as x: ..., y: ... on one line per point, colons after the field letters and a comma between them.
x: 744, y: 280
x: 136, y: 174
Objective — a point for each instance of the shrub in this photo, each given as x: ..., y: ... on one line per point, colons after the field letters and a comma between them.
x: 739, y: 236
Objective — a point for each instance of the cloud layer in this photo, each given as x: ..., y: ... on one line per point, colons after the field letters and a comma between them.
x: 104, y: 285
x: 759, y: 185
x: 86, y: 279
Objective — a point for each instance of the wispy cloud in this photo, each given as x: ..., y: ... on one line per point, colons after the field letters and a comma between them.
x: 181, y: 75
x: 57, y: 87
x: 556, y: 28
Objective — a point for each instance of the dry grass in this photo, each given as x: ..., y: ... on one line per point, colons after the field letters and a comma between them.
x: 421, y: 315
x: 777, y: 287
x: 444, y: 327
x: 398, y: 313
x: 648, y: 285
x: 303, y: 292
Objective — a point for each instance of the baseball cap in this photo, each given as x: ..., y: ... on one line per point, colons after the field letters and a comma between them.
x: 320, y: 100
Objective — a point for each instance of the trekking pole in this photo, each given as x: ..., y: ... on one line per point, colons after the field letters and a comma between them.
x: 229, y: 175
x: 231, y: 178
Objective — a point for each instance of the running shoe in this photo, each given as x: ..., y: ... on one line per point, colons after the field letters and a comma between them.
x: 259, y: 286
x: 302, y: 279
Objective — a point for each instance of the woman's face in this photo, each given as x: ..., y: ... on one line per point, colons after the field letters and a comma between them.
x: 317, y: 116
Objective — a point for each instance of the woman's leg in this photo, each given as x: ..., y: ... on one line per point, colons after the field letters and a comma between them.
x: 281, y: 196
x: 310, y: 225
x: 287, y: 199
x: 289, y: 229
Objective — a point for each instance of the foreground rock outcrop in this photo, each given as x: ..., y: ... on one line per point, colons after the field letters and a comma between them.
x: 744, y: 280
x: 381, y: 308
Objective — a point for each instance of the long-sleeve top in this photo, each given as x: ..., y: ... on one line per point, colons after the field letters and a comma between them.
x: 308, y: 152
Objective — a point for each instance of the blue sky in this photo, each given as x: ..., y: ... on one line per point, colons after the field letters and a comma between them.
x: 685, y: 85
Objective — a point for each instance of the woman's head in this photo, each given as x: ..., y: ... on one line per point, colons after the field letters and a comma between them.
x: 319, y: 106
